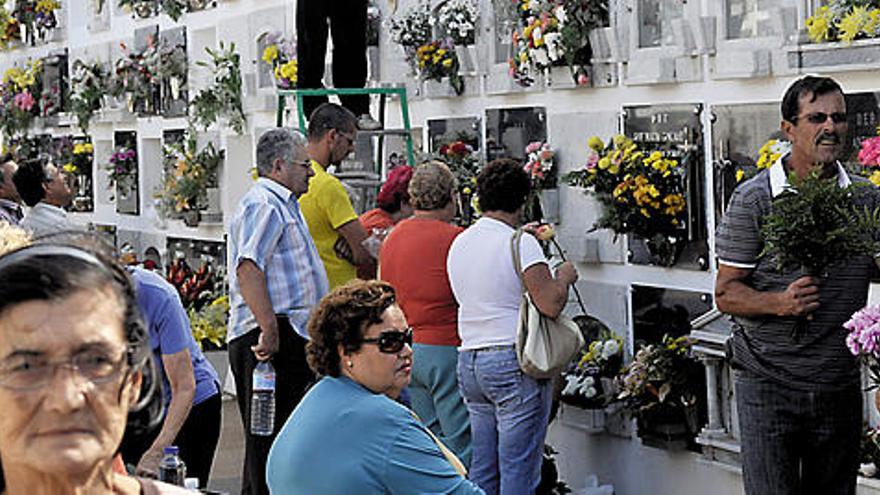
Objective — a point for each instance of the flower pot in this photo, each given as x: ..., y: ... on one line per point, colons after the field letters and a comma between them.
x: 549, y: 199
x: 191, y: 218
x: 664, y: 249
x: 174, y: 85
x: 667, y: 427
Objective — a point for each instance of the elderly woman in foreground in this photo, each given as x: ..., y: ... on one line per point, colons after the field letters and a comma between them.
x: 74, y: 363
x: 348, y: 435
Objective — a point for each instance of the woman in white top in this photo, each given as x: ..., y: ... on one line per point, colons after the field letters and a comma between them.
x: 509, y: 410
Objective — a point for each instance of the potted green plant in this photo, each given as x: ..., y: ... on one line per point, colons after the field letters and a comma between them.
x: 223, y: 97
x: 660, y: 388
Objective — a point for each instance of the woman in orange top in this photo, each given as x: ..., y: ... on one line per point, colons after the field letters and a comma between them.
x: 393, y: 206
x: 413, y: 260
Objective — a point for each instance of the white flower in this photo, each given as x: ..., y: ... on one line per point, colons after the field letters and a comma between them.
x: 571, y: 385
x: 560, y: 14
x: 610, y: 348
x: 536, y: 35
x: 539, y: 55
x: 555, y: 50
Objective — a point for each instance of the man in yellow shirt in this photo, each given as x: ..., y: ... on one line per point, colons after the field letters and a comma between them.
x: 326, y: 206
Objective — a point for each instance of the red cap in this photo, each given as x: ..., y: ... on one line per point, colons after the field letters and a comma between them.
x: 395, y: 188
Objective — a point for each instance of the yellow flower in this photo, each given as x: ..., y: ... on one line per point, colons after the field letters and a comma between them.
x: 604, y: 162
x: 47, y: 6
x: 595, y: 143
x: 289, y: 71
x: 70, y: 168
x: 818, y: 24
x: 739, y: 175
x: 447, y: 63
x: 853, y: 23
x: 875, y: 178
x: 270, y: 54
x: 873, y: 26
x: 674, y: 204
x: 466, y: 190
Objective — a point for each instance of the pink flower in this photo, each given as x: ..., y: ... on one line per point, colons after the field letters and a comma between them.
x: 24, y: 101
x: 869, y: 155
x: 534, y: 146
x: 592, y: 161
x: 583, y: 80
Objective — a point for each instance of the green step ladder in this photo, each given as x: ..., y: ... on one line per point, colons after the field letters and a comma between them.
x: 383, y: 92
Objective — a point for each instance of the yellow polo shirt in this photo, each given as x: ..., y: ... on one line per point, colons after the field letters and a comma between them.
x: 326, y: 207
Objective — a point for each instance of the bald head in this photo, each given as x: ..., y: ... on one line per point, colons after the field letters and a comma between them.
x: 7, y: 187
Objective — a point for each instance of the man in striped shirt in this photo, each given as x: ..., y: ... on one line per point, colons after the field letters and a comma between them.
x: 798, y: 393
x: 275, y: 281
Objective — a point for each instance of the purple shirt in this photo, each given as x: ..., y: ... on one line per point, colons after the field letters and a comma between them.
x: 170, y: 332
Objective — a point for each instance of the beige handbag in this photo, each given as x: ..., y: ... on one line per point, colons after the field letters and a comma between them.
x: 544, y: 346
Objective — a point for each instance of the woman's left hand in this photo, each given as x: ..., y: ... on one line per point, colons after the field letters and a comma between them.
x: 148, y: 467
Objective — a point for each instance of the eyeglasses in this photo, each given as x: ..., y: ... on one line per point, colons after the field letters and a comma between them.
x: 392, y: 341
x: 348, y: 138
x: 821, y: 117
x: 302, y: 163
x: 25, y: 371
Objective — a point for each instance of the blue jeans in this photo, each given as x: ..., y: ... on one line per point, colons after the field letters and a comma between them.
x: 436, y: 398
x: 509, y: 413
x: 797, y: 442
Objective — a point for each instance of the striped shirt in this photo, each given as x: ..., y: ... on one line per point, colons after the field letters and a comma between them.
x: 43, y: 219
x: 269, y: 230
x: 816, y: 359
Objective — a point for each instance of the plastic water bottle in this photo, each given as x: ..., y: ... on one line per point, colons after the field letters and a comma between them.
x: 172, y: 469
x: 263, y: 400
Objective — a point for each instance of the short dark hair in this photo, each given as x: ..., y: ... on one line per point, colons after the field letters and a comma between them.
x: 330, y: 116
x: 341, y: 317
x: 812, y: 85
x: 29, y: 180
x: 47, y: 272
x: 502, y: 185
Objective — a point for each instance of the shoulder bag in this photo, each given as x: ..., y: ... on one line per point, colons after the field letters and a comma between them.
x: 544, y: 345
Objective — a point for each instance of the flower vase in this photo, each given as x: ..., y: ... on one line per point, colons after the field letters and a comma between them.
x: 549, y: 199
x: 467, y: 59
x: 129, y: 102
x: 191, y: 218
x: 664, y: 249
x: 174, y: 84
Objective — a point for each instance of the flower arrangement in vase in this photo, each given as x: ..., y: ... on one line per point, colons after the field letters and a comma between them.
x: 148, y: 8
x: 122, y: 168
x: 208, y: 324
x: 412, y: 30
x: 641, y: 192
x: 661, y: 385
x: 863, y: 340
x: 589, y: 381
x: 457, y: 19
x: 464, y: 163
x: 223, y: 96
x: 136, y: 77
x: 37, y: 18
x: 844, y: 20
x: 87, y: 85
x: 542, y: 170
x: 10, y: 31
x: 18, y: 105
x: 186, y: 181
x: 437, y: 60
x: 79, y: 167
x: 280, y: 55
x: 537, y: 43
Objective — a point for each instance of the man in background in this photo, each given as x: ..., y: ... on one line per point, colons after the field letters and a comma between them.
x: 326, y: 206
x: 274, y: 282
x: 347, y: 22
x: 44, y: 188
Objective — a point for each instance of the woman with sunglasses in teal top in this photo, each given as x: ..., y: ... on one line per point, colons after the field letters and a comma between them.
x: 348, y: 434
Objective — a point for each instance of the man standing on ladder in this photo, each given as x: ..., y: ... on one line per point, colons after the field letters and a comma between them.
x: 347, y: 21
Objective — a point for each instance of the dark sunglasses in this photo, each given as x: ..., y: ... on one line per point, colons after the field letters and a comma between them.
x: 391, y: 341
x: 821, y: 117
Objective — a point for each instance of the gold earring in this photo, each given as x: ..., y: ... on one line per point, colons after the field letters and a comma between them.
x: 349, y: 364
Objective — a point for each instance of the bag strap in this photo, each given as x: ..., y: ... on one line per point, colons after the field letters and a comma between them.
x: 457, y: 465
x: 514, y: 252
